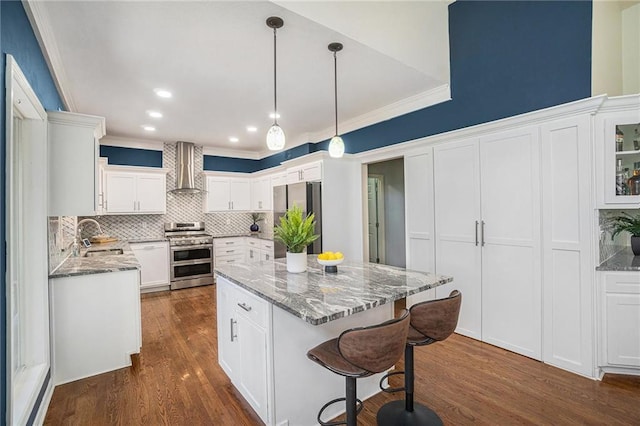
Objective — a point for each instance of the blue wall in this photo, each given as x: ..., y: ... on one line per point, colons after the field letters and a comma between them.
x: 17, y: 39
x: 131, y: 156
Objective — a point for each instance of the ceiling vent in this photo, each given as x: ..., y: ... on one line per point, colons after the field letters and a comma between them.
x: 185, y: 169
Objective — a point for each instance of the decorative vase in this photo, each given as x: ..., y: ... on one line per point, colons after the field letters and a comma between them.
x: 635, y: 245
x: 296, y: 262
x: 254, y: 227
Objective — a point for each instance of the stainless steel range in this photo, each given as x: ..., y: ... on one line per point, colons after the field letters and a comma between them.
x: 191, y: 254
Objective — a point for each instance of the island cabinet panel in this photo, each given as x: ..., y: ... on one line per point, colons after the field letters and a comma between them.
x: 487, y: 235
x: 567, y: 218
x: 418, y: 187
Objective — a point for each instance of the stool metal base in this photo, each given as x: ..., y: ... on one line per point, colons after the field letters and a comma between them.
x: 394, y: 414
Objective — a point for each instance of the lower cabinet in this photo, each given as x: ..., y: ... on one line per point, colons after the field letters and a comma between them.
x: 620, y: 322
x: 95, y: 323
x: 154, y: 260
x: 229, y: 250
x: 243, y: 327
x: 258, y: 250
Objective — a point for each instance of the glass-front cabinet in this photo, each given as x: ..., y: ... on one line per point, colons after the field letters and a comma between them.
x: 618, y: 131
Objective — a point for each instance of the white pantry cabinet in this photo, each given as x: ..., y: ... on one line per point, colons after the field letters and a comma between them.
x: 135, y: 192
x: 227, y: 194
x: 419, y: 208
x: 261, y: 194
x: 154, y: 262
x: 243, y: 329
x: 73, y: 151
x: 487, y: 235
x: 620, y: 322
x: 567, y: 236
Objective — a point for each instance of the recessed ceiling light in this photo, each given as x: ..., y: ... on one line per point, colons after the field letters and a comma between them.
x: 233, y: 139
x: 272, y: 115
x: 149, y: 128
x: 252, y: 129
x: 163, y: 93
x: 154, y: 114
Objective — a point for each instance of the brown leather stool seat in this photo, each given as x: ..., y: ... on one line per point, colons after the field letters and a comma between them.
x: 432, y: 321
x: 361, y: 352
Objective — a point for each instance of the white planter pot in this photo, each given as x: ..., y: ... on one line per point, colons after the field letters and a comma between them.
x: 296, y: 262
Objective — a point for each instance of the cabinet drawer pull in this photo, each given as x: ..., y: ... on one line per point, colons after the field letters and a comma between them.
x: 229, y: 242
x: 232, y: 333
x: 230, y: 251
x: 244, y: 306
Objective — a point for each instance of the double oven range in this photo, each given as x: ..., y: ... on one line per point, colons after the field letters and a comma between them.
x: 191, y: 260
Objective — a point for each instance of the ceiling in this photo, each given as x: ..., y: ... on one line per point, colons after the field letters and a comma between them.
x: 216, y: 58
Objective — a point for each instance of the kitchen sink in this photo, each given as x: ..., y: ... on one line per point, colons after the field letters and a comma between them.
x: 107, y: 252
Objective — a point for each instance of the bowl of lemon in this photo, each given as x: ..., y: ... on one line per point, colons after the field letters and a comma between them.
x: 330, y: 260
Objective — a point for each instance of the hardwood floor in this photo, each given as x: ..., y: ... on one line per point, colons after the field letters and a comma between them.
x: 176, y: 380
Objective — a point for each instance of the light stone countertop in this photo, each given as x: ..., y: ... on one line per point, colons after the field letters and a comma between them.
x: 624, y: 260
x: 259, y: 235
x: 81, y: 265
x: 318, y: 297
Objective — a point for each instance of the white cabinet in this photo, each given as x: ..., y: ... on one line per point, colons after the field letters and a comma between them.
x: 102, y: 164
x: 154, y: 261
x: 305, y: 173
x: 73, y: 163
x: 278, y: 179
x: 258, y: 250
x: 227, y: 194
x: 419, y: 208
x: 229, y: 250
x: 487, y: 236
x: 567, y: 236
x: 243, y: 353
x: 620, y: 322
x: 620, y: 113
x: 95, y: 323
x: 261, y: 194
x: 135, y: 192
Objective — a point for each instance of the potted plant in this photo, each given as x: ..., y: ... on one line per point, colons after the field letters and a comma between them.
x: 296, y: 232
x: 631, y: 224
x: 257, y: 217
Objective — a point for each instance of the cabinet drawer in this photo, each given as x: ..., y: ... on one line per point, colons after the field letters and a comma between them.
x: 228, y: 251
x: 233, y: 258
x: 228, y: 242
x: 266, y: 245
x: 253, y: 242
x: 628, y: 283
x: 251, y: 306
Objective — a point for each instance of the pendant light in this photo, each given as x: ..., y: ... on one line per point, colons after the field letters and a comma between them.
x: 336, y: 145
x: 275, y: 135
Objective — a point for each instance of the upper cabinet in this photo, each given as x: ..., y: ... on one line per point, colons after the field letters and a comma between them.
x: 617, y: 136
x: 227, y: 194
x: 73, y: 163
x: 305, y: 173
x: 261, y: 194
x: 135, y: 192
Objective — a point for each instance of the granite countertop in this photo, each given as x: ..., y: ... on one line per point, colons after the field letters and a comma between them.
x: 147, y: 240
x: 624, y: 260
x: 260, y: 235
x: 81, y: 265
x: 318, y: 297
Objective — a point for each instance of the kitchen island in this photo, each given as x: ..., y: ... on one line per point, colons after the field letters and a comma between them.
x: 268, y: 319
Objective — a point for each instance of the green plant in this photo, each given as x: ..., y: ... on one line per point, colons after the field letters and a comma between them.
x: 257, y: 217
x: 295, y: 231
x: 625, y: 222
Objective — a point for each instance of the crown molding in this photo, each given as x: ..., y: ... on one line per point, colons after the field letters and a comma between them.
x: 620, y: 103
x: 75, y: 119
x: 39, y: 19
x: 234, y: 153
x: 132, y: 143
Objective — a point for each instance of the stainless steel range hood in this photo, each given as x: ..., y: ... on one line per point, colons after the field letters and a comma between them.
x: 185, y: 169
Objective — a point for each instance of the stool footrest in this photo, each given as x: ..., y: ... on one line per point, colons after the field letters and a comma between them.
x: 390, y: 389
x: 359, y: 406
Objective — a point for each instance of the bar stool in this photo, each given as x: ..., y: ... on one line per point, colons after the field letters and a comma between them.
x: 361, y: 352
x: 431, y: 322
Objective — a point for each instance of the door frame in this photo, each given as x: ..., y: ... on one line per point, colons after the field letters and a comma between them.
x: 381, y: 216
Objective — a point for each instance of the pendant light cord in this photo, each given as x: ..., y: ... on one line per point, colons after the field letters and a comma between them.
x: 335, y: 91
x: 275, y: 82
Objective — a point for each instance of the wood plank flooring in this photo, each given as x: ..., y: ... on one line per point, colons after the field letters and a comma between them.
x: 176, y: 380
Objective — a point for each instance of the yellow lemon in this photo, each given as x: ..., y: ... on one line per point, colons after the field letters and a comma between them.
x: 322, y: 256
x: 339, y: 255
x: 331, y: 256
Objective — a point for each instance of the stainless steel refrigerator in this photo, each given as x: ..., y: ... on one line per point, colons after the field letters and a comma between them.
x: 307, y: 195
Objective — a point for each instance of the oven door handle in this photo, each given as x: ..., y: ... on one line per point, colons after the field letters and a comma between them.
x: 191, y: 262
x: 195, y: 246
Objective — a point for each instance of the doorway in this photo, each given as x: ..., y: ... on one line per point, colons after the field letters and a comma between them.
x: 385, y: 212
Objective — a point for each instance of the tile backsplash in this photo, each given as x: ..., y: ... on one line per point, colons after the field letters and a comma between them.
x: 609, y: 246
x: 60, y: 231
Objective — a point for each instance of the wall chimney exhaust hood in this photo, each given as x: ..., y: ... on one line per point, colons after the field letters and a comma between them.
x: 185, y: 169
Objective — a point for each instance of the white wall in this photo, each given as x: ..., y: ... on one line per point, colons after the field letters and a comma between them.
x: 631, y: 49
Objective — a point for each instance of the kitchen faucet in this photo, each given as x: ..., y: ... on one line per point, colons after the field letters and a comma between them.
x: 76, y: 238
